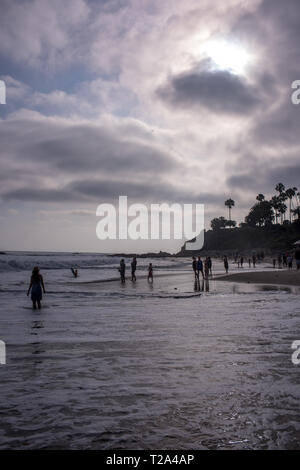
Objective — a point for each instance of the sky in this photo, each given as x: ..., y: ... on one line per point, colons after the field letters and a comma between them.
x: 162, y: 101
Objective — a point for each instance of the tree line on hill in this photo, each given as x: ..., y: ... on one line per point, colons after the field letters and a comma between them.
x: 283, y: 208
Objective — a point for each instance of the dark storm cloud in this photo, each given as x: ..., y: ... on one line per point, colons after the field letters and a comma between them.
x: 82, y: 148
x: 280, y: 126
x: 38, y: 195
x: 289, y: 175
x: 265, y: 179
x: 109, y: 6
x: 87, y: 149
x: 60, y: 162
x: 218, y: 90
x: 96, y: 190
x: 154, y: 191
x: 46, y: 160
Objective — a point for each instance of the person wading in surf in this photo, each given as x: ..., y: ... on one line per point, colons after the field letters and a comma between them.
x: 122, y: 270
x: 36, y: 285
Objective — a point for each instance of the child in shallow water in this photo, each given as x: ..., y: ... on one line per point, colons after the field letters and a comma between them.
x: 36, y: 285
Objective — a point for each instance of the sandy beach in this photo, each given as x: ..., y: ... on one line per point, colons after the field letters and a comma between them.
x: 279, y: 277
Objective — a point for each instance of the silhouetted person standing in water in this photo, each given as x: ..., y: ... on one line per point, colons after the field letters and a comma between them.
x: 36, y: 285
x: 194, y: 265
x: 206, y: 268
x: 199, y: 267
x: 209, y: 264
x: 133, y: 269
x: 122, y: 270
x: 150, y: 273
x: 226, y: 264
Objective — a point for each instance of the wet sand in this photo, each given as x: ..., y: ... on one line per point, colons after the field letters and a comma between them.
x: 280, y: 277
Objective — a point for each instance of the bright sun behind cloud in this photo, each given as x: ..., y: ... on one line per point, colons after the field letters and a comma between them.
x: 227, y: 56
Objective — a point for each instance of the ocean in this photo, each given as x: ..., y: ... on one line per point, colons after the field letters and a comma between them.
x: 145, y: 366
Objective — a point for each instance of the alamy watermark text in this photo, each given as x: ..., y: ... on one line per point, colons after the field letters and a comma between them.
x: 157, y: 221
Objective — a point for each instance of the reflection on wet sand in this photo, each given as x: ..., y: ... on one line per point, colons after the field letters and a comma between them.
x: 201, y: 286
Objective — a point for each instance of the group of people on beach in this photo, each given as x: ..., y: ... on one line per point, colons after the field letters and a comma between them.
x: 282, y: 260
x: 133, y: 265
x: 203, y: 267
x: 286, y: 260
x: 254, y: 257
x: 252, y: 260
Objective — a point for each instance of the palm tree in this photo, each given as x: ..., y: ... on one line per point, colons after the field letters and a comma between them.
x: 296, y: 212
x: 229, y: 203
x: 282, y: 210
x: 281, y: 197
x: 275, y: 201
x: 280, y: 188
x: 260, y: 214
x: 290, y: 192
